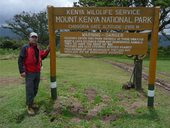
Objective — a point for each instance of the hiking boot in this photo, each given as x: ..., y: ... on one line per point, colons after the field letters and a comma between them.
x: 35, y: 106
x: 30, y: 111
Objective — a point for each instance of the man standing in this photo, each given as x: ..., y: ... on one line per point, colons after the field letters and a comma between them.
x: 29, y: 63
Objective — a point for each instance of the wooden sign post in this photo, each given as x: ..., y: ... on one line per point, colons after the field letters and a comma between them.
x: 52, y: 39
x: 153, y: 56
x: 104, y: 18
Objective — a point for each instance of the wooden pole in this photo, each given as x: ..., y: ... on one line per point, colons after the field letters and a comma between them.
x: 52, y: 40
x: 138, y: 73
x: 153, y: 56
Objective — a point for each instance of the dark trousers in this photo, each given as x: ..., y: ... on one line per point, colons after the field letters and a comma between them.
x: 32, y: 83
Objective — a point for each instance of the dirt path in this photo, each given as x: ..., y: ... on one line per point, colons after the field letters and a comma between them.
x: 129, y: 68
x: 6, y: 81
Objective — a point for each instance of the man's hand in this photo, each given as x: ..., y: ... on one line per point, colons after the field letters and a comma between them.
x: 23, y: 74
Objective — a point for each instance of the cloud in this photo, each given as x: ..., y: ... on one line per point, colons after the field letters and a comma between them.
x: 167, y: 31
x: 8, y: 8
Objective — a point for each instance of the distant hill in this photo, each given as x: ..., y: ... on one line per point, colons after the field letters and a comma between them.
x: 163, y: 41
x: 8, y: 33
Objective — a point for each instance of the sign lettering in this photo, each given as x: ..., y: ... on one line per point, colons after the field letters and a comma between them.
x: 104, y: 18
x: 103, y: 43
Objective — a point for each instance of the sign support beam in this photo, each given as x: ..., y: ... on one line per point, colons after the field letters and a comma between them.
x: 52, y: 39
x: 153, y: 56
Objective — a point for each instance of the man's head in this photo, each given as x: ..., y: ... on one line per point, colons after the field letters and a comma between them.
x: 33, y: 38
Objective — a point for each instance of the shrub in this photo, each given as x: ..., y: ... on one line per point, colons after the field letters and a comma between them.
x: 164, y: 51
x: 11, y: 44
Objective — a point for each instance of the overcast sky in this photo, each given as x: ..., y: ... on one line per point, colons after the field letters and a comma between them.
x: 8, y: 8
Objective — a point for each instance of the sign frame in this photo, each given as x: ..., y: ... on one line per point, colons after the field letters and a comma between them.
x: 52, y: 26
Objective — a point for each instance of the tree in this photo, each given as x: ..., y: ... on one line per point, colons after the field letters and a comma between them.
x: 98, y: 3
x: 164, y: 4
x: 22, y: 24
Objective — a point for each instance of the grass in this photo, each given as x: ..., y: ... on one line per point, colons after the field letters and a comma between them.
x: 8, y: 53
x: 76, y: 75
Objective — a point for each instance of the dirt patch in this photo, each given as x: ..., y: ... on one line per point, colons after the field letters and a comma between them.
x: 90, y: 93
x: 128, y: 105
x: 105, y: 98
x: 140, y: 95
x: 131, y: 108
x: 76, y: 107
x: 72, y: 89
x: 71, y: 104
x: 75, y: 120
x: 122, y: 97
x: 109, y: 118
x: 94, y: 111
x: 136, y: 105
x: 6, y: 81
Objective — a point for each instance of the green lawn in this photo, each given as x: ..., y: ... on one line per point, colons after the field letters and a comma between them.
x: 109, y: 106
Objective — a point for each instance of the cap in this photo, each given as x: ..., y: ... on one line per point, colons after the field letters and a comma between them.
x: 33, y: 34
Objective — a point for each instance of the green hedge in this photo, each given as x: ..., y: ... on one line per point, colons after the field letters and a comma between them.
x: 11, y: 44
x: 164, y: 51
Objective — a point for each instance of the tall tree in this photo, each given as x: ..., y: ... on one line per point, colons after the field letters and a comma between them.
x: 87, y: 3
x: 22, y: 24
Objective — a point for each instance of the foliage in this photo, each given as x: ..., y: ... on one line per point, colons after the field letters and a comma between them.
x: 87, y: 3
x: 164, y: 51
x: 7, y: 52
x: 22, y: 24
x: 6, y: 43
x: 11, y: 44
x: 165, y: 13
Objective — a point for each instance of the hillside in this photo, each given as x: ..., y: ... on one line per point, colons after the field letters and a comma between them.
x: 8, y: 33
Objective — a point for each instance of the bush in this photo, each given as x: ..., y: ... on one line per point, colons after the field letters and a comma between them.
x: 16, y: 44
x: 164, y: 51
x: 8, y: 51
x: 10, y: 44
